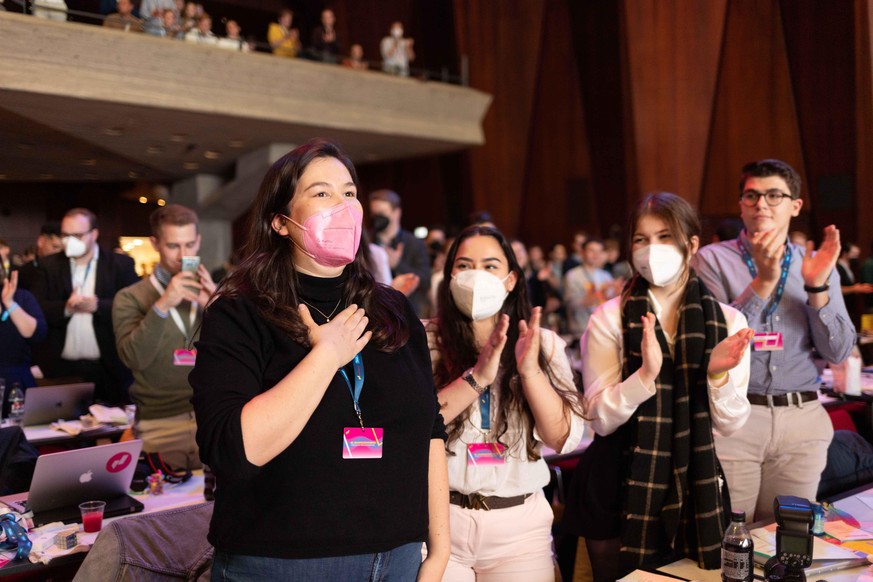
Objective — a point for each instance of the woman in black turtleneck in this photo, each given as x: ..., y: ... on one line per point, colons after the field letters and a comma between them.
x: 311, y: 485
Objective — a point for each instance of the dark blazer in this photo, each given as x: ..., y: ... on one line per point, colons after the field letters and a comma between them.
x: 54, y: 285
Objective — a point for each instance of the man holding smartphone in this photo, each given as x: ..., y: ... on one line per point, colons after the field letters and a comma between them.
x: 156, y: 324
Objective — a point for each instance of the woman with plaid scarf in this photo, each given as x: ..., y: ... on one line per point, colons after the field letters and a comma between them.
x: 664, y: 365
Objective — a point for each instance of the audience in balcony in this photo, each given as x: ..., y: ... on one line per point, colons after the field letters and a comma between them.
x: 50, y: 9
x: 233, y: 40
x: 189, y: 17
x: 355, y: 60
x: 397, y: 52
x: 325, y: 45
x: 168, y: 26
x: 202, y: 34
x: 123, y: 18
x: 284, y: 40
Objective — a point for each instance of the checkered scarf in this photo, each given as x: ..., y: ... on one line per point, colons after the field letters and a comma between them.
x: 672, y: 499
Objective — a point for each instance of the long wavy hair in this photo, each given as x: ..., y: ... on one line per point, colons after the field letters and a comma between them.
x: 458, y: 351
x: 267, y: 275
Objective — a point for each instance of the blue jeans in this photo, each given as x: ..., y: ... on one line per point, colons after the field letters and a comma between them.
x: 398, y: 565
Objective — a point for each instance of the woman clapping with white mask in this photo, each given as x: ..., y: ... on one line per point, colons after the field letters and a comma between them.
x: 505, y: 390
x: 663, y: 365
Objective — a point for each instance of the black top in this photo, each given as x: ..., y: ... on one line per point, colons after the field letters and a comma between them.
x: 15, y: 349
x: 309, y: 502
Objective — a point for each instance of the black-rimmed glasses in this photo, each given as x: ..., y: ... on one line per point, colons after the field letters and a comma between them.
x: 773, y: 197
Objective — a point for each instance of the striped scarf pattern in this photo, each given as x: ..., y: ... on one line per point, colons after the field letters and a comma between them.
x: 672, y: 500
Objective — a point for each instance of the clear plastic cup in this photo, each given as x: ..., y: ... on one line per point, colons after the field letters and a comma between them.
x: 92, y: 515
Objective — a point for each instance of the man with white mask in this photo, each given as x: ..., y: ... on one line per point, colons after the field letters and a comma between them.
x: 75, y: 290
x: 791, y: 298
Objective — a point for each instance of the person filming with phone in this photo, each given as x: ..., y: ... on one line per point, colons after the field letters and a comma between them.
x: 156, y: 322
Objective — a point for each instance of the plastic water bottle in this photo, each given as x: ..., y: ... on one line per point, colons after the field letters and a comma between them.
x: 16, y: 404
x: 737, y: 551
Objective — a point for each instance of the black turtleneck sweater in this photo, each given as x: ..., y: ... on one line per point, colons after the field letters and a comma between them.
x: 309, y: 502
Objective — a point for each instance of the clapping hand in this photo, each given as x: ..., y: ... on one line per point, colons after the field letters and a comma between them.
x: 767, y: 251
x: 10, y: 284
x: 817, y: 265
x: 652, y: 355
x: 727, y: 354
x: 343, y: 336
x: 527, y: 348
x: 485, y: 370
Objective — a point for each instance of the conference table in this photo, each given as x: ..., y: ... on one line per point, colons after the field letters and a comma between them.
x: 64, y: 566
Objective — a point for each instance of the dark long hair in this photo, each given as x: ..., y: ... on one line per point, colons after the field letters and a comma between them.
x: 267, y: 275
x: 458, y: 352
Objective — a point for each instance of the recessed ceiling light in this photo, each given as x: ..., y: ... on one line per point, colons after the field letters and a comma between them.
x: 162, y: 202
x: 211, y: 154
x: 236, y: 143
x: 88, y: 162
x: 143, y: 200
x: 178, y: 137
x: 154, y: 150
x: 114, y: 131
x: 191, y: 165
x: 133, y: 174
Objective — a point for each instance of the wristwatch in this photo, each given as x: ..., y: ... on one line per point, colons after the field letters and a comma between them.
x: 468, y: 376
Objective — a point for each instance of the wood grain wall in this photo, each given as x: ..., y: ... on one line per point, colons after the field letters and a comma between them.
x: 598, y: 102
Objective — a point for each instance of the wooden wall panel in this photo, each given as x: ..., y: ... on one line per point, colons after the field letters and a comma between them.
x: 755, y: 115
x: 598, y: 44
x: 503, y: 41
x: 558, y: 198
x: 673, y: 55
x: 863, y: 36
x: 823, y: 82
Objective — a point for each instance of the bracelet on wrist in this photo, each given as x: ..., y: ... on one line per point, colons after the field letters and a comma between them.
x: 531, y: 376
x: 716, y: 377
x: 819, y: 289
x: 9, y: 311
x: 468, y: 377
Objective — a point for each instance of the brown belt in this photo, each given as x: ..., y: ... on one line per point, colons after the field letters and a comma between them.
x: 477, y: 501
x: 771, y: 400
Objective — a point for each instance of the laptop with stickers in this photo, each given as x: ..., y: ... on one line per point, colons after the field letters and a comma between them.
x: 61, y: 481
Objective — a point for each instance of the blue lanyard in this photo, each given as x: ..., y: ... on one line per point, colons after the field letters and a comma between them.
x: 485, y: 409
x: 358, y: 368
x: 783, y: 276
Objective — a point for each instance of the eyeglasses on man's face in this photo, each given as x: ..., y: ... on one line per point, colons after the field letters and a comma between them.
x: 773, y: 197
x: 78, y: 235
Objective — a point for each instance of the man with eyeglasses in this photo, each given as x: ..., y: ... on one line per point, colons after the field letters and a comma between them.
x: 75, y: 290
x: 791, y: 297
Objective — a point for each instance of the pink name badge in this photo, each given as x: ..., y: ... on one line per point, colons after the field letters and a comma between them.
x: 184, y: 357
x: 483, y: 454
x: 768, y: 342
x: 362, y: 443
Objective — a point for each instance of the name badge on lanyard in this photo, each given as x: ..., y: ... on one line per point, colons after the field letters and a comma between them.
x: 181, y: 357
x: 485, y: 454
x: 768, y: 342
x: 360, y: 442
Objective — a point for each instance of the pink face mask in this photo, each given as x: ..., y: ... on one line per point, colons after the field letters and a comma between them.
x: 331, y: 237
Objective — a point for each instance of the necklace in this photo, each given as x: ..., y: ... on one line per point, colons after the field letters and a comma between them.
x: 326, y: 317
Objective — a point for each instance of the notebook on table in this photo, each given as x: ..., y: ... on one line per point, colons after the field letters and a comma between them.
x: 47, y: 404
x: 61, y: 481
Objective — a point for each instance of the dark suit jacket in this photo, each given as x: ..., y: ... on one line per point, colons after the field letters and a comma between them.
x: 53, y: 287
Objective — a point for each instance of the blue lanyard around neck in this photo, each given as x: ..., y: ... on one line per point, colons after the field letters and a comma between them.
x: 485, y: 409
x: 358, y: 369
x: 783, y: 276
